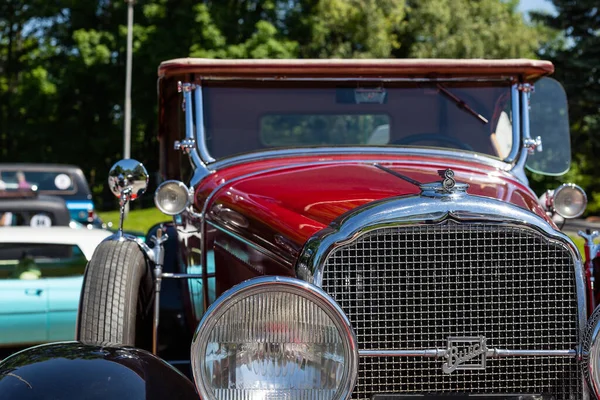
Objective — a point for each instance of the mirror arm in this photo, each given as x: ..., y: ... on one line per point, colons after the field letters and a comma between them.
x: 123, y: 200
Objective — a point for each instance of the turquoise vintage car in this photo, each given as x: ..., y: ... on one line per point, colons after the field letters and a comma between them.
x: 41, y: 274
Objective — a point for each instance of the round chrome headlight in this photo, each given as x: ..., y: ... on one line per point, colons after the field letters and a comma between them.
x: 274, y: 337
x: 590, y: 360
x: 172, y: 197
x: 569, y: 201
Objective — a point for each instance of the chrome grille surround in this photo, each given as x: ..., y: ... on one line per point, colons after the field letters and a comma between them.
x: 422, y: 282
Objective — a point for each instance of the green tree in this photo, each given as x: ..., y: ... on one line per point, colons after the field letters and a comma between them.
x: 467, y: 29
x: 576, y: 55
x: 62, y: 63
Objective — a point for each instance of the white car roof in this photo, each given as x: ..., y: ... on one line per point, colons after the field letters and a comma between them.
x: 86, y: 239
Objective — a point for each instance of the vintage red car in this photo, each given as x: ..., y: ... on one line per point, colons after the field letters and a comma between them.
x: 341, y: 228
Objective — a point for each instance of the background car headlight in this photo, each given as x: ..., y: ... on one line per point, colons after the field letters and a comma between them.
x: 274, y: 337
x: 590, y: 361
x: 569, y: 201
x: 172, y: 197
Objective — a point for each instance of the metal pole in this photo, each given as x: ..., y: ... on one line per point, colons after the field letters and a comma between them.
x: 127, y: 136
x: 127, y: 133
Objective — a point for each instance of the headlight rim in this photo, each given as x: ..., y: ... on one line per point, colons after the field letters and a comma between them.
x: 256, y: 285
x: 170, y: 182
x: 590, y: 359
x: 569, y: 186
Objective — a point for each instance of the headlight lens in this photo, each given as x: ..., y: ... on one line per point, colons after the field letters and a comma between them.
x: 172, y: 197
x: 569, y: 201
x: 273, y: 338
x: 591, y: 352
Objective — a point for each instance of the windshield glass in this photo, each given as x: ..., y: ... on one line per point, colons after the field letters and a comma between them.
x: 245, y: 116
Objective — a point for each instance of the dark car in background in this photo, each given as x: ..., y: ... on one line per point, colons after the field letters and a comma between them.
x: 27, y: 208
x: 62, y: 180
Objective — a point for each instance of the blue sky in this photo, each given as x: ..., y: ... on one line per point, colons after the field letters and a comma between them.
x: 542, y: 5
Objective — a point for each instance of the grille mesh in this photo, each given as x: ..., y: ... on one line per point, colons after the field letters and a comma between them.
x: 413, y: 287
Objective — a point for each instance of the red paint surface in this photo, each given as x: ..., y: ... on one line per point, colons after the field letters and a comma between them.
x: 301, y: 197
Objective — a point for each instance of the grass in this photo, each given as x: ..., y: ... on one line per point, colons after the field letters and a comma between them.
x: 136, y: 220
x: 578, y: 240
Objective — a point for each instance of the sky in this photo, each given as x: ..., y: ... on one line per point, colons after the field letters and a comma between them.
x: 539, y: 5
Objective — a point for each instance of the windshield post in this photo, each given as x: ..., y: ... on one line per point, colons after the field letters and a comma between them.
x: 200, y: 131
x: 524, y: 91
x: 516, y: 123
x: 187, y: 106
x: 189, y: 147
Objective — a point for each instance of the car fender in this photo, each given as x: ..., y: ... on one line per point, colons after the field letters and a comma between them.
x: 121, y: 237
x: 70, y: 370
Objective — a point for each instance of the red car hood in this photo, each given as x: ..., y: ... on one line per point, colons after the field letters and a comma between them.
x: 286, y: 205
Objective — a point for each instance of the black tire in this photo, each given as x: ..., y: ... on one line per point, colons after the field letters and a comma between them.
x: 117, y: 297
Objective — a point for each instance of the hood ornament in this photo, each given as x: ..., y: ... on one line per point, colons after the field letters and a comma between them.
x: 447, y: 187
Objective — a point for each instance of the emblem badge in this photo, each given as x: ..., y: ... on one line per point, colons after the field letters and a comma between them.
x: 449, y: 181
x: 465, y: 353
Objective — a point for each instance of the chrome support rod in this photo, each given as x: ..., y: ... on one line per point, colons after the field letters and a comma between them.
x: 187, y: 88
x: 491, y: 353
x: 123, y: 201
x: 525, y: 90
x: 169, y: 275
x: 159, y: 257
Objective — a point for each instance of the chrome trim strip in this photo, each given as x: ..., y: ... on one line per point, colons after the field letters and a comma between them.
x: 442, y: 154
x: 266, y: 283
x: 516, y: 123
x: 491, y: 353
x: 200, y: 132
x: 254, y: 245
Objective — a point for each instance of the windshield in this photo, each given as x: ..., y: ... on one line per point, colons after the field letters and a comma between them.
x: 245, y: 116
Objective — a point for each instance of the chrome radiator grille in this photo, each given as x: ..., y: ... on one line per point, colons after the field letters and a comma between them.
x: 407, y: 288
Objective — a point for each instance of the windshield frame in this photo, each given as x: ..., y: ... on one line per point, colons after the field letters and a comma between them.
x: 201, y: 157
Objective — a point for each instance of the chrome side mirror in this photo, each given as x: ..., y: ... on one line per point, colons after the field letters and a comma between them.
x: 127, y: 179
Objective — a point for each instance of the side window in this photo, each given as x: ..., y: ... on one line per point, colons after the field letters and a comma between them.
x: 35, y: 261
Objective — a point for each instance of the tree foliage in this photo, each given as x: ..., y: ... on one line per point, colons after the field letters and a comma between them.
x: 62, y: 63
x: 576, y: 55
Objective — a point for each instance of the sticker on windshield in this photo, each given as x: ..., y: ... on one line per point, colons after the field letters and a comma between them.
x: 62, y: 181
x: 40, y: 221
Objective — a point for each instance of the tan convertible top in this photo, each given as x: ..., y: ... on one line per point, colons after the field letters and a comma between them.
x: 528, y: 69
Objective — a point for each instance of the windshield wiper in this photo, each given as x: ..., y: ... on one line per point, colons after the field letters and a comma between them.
x: 461, y: 104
